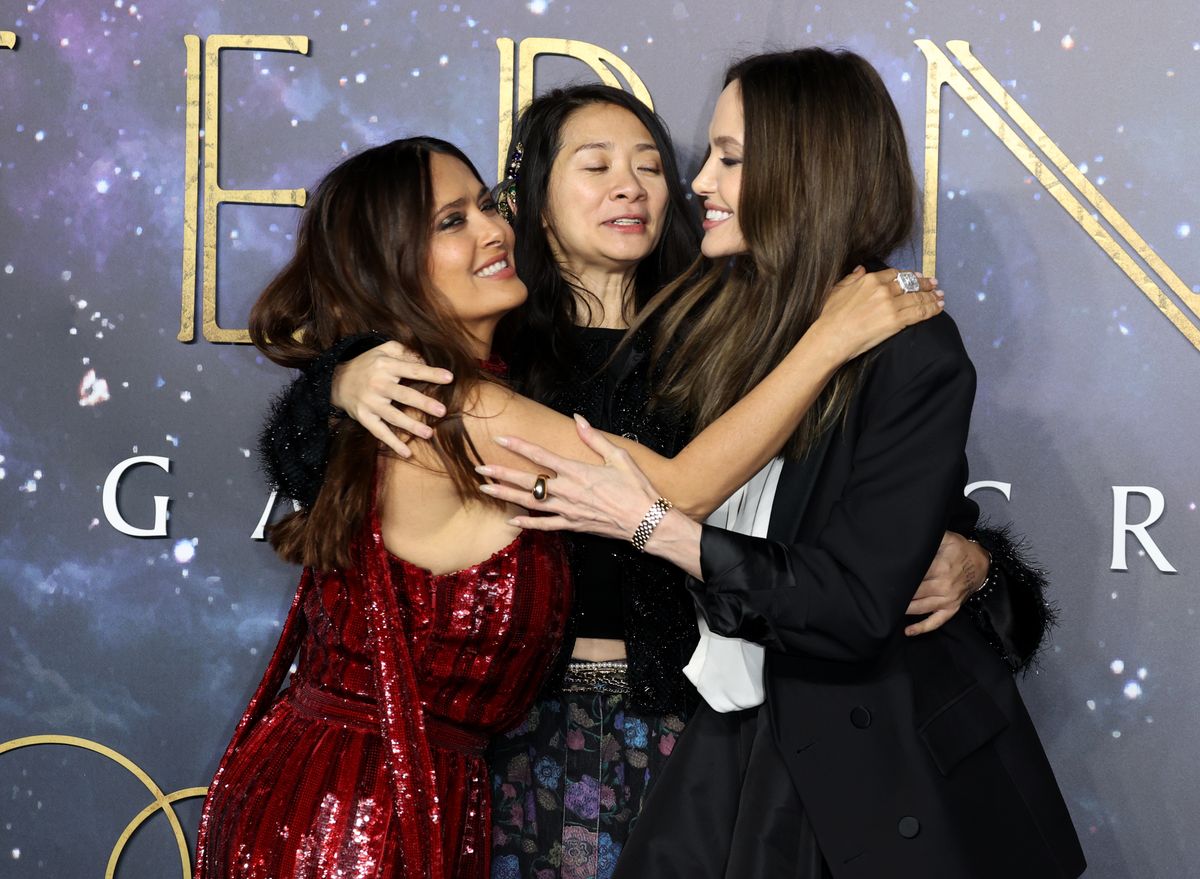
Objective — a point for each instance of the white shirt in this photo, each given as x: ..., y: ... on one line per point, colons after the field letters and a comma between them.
x: 728, y: 672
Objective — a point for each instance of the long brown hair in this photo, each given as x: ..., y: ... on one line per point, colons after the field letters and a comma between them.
x: 361, y: 265
x: 826, y: 185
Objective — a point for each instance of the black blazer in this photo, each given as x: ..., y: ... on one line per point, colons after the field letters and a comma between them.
x: 913, y: 756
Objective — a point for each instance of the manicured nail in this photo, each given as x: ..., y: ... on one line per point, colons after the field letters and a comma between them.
x: 514, y: 522
x: 940, y: 294
x: 580, y: 420
x: 933, y: 280
x: 484, y: 470
x: 440, y: 410
x: 426, y: 432
x: 488, y: 488
x: 501, y: 441
x: 447, y: 376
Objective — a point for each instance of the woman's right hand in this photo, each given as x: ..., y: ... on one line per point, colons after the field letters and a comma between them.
x: 865, y: 308
x: 371, y: 389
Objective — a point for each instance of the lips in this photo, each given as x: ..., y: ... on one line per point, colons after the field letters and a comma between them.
x: 500, y: 266
x: 627, y: 223
x: 715, y: 213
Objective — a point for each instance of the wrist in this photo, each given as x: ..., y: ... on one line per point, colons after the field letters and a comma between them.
x: 826, y: 345
x: 649, y: 523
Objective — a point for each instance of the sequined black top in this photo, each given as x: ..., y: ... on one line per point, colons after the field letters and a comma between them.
x: 619, y: 592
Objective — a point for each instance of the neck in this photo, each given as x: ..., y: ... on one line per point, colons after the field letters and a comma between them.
x: 607, y: 299
x: 480, y: 338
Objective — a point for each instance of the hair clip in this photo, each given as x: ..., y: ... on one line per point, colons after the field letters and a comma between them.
x: 505, y: 192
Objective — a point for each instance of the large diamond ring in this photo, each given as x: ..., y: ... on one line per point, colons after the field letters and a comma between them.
x: 909, y: 282
x: 539, y: 487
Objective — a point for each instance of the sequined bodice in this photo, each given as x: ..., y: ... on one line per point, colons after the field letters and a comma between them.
x: 479, y: 639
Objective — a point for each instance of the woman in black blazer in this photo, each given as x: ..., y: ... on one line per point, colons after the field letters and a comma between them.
x: 873, y: 755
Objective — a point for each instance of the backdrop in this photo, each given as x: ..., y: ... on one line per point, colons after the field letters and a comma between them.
x: 137, y: 610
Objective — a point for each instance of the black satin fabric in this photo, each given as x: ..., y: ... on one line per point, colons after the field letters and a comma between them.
x: 723, y: 809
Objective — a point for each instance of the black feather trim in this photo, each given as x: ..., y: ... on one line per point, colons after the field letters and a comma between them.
x: 1012, y: 608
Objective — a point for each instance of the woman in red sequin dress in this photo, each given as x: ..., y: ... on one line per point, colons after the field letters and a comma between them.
x: 411, y: 651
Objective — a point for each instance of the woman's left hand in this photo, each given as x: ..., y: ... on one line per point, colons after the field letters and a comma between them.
x: 608, y: 499
x: 958, y: 570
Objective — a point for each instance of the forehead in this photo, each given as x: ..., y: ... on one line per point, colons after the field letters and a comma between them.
x: 727, y: 118
x: 451, y: 178
x: 603, y: 123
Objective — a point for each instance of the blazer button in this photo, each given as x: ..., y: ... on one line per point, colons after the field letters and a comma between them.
x: 860, y: 717
x: 909, y: 827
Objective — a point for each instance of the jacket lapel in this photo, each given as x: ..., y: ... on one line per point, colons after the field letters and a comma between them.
x: 796, y: 484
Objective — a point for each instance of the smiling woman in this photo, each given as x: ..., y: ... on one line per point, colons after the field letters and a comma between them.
x: 425, y: 620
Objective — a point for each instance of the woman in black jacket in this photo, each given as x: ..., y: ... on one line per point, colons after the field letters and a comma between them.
x: 873, y: 754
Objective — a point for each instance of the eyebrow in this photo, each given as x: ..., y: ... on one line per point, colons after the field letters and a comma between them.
x: 459, y: 202
x: 607, y: 145
x: 725, y: 142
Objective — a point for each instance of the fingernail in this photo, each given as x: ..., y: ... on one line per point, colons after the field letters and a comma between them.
x: 933, y: 280
x: 516, y: 523
x: 427, y: 432
x: 579, y: 419
x: 483, y: 470
x: 940, y: 294
x: 447, y: 375
x: 440, y: 410
x: 501, y: 441
x: 488, y: 488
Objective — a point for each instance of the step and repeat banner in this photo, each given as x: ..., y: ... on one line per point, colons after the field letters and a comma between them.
x: 152, y: 158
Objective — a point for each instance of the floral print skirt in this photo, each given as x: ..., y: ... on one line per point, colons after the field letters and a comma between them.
x: 569, y: 783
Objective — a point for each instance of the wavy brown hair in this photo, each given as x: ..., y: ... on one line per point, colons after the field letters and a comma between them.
x: 361, y: 265
x: 826, y: 185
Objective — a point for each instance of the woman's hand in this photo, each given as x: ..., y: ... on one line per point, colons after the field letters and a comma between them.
x: 608, y: 499
x: 958, y: 570
x: 865, y: 308
x: 371, y: 389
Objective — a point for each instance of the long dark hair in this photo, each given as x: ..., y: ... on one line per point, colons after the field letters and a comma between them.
x: 826, y: 185
x: 361, y: 264
x: 536, y: 338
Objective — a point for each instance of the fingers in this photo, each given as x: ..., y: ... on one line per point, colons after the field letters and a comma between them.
x: 889, y: 276
x: 934, y: 621
x: 916, y: 307
x: 544, y: 458
x: 921, y: 606
x: 519, y: 479
x: 403, y: 395
x: 417, y: 371
x: 382, y: 432
x: 542, y: 523
x: 594, y: 439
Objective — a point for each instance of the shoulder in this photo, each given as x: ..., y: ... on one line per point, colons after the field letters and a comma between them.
x: 932, y: 346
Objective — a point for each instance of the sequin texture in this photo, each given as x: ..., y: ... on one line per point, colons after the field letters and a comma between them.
x: 371, y: 763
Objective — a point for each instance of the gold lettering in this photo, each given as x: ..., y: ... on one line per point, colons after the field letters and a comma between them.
x: 941, y: 71
x: 191, y: 187
x: 8, y: 40
x: 600, y: 60
x: 214, y: 194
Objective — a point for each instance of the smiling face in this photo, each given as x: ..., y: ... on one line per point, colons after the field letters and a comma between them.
x: 607, y: 193
x: 719, y: 182
x: 470, y: 250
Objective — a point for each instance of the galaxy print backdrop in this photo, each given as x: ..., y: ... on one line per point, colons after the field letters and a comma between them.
x: 136, y: 608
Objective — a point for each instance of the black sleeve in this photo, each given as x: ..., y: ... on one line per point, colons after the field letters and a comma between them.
x: 293, y: 447
x: 1012, y: 609
x: 843, y: 596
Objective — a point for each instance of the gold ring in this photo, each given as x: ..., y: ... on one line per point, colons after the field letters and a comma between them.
x: 539, y: 487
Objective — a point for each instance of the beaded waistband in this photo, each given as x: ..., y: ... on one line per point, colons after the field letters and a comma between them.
x: 321, y: 705
x: 608, y: 676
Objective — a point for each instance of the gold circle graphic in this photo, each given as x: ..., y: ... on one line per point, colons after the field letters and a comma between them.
x: 161, y: 800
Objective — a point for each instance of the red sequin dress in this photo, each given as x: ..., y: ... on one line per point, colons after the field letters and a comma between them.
x: 371, y: 763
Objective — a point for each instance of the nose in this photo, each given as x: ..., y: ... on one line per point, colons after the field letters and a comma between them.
x: 628, y: 186
x: 494, y: 231
x: 702, y: 183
